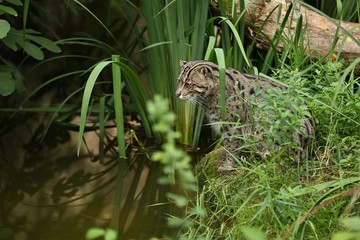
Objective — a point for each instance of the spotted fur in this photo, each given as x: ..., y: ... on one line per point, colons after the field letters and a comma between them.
x: 199, y: 83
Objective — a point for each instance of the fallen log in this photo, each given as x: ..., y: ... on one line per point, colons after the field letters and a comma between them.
x: 323, y: 37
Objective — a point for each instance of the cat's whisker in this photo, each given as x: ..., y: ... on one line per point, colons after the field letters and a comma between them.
x: 198, y: 102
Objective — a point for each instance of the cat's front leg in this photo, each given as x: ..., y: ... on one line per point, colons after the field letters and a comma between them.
x: 227, y: 161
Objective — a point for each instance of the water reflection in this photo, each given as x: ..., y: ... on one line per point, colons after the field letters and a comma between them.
x: 49, y: 193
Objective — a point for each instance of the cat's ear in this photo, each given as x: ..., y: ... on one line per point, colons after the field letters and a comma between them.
x: 182, y: 63
x: 206, y: 71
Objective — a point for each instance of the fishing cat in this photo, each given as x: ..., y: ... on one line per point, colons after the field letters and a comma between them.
x: 199, y: 83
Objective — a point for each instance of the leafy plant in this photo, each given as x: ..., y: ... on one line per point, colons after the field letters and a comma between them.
x: 175, y: 162
x: 273, y: 195
x: 95, y: 233
x: 174, y: 34
x: 27, y: 39
x: 352, y: 225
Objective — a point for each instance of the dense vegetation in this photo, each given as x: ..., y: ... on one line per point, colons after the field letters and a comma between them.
x: 143, y: 42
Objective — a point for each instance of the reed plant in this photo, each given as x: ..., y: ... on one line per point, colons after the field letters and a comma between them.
x: 345, y: 9
x: 271, y: 197
x: 176, y: 30
x: 275, y: 198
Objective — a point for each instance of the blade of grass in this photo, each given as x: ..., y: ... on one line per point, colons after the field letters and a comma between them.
x: 119, y: 119
x: 25, y: 15
x: 225, y: 34
x: 101, y: 129
x: 197, y: 53
x: 99, y: 21
x: 236, y: 36
x: 239, y: 23
x: 138, y: 95
x: 200, y: 27
x: 86, y: 99
x: 275, y: 41
x: 335, y: 22
x: 210, y: 47
x: 222, y: 66
x: 119, y: 115
x: 60, y: 77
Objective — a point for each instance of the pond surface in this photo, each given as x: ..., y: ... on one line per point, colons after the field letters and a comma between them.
x: 47, y: 192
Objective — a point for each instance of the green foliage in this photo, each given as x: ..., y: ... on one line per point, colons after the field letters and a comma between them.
x: 96, y: 233
x: 7, y: 85
x: 4, y: 28
x: 27, y: 39
x: 175, y: 162
x: 282, y: 199
x: 274, y: 196
x: 339, y: 9
x: 253, y: 233
x: 352, y: 225
x: 173, y: 35
x: 336, y: 91
x: 279, y: 198
x: 278, y: 111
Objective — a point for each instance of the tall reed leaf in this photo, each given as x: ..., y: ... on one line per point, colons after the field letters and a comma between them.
x: 236, y: 36
x: 119, y: 116
x: 173, y: 35
x: 138, y: 95
x: 222, y: 66
x: 86, y: 99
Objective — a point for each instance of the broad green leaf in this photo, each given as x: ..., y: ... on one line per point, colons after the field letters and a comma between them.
x: 15, y: 2
x: 8, y: 10
x: 94, y: 233
x: 4, y: 28
x: 351, y: 223
x: 5, y: 68
x: 346, y: 236
x: 252, y: 233
x: 10, y: 43
x: 180, y: 201
x: 44, y: 42
x: 7, y: 85
x: 11, y: 40
x: 33, y: 50
x: 110, y: 234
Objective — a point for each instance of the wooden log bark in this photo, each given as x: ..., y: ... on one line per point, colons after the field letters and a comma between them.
x: 318, y: 31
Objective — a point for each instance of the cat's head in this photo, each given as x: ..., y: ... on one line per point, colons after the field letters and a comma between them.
x: 196, y: 80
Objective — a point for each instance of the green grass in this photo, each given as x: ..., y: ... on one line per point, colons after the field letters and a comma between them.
x: 282, y: 199
x: 274, y: 195
x: 287, y: 200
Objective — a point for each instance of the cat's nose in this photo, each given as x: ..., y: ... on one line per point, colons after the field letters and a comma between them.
x: 178, y: 93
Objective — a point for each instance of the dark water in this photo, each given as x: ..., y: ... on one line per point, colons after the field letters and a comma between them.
x: 47, y: 192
